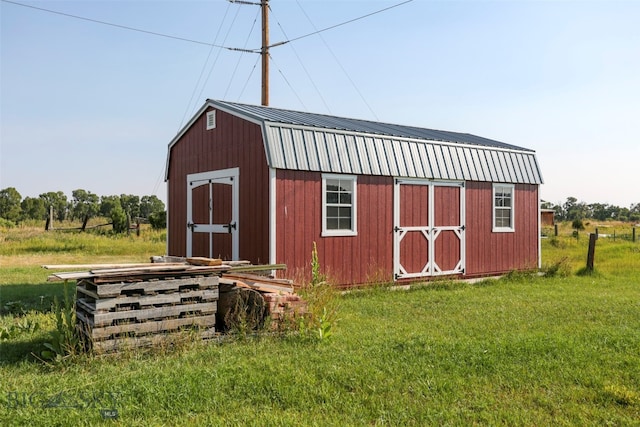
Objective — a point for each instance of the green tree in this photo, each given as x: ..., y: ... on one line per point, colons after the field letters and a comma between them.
x: 85, y: 204
x: 59, y: 202
x: 130, y: 204
x: 158, y: 220
x: 150, y: 205
x: 33, y: 208
x: 107, y: 204
x: 574, y: 210
x: 10, y: 208
x: 118, y: 218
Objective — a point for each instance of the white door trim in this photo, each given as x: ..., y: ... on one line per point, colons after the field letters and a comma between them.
x: 223, y: 176
x: 429, y: 231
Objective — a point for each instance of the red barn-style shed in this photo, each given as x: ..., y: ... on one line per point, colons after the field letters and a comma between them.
x: 381, y: 201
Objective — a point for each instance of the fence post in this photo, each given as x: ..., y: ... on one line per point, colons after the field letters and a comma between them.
x: 633, y: 234
x: 592, y: 251
x: 555, y: 226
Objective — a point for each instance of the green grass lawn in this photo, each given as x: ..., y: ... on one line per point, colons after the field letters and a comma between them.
x: 523, y: 350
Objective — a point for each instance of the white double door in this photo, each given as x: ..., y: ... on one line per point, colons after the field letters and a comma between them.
x: 212, y: 214
x: 429, y: 228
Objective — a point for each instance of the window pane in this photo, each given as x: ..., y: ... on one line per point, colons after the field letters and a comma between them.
x: 345, y: 185
x: 332, y: 197
x: 345, y: 223
x: 345, y: 198
x: 333, y: 211
x: 332, y: 185
x: 332, y: 223
x: 344, y: 212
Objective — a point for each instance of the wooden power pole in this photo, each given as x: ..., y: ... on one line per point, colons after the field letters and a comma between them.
x: 265, y: 51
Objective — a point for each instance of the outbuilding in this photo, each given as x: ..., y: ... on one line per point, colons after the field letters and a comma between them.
x: 380, y: 201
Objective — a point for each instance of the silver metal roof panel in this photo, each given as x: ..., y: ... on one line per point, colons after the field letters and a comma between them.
x: 315, y: 142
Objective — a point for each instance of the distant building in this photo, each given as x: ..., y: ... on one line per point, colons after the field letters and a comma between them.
x: 381, y: 201
x: 547, y: 217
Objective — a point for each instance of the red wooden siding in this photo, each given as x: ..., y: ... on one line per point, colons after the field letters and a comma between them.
x: 233, y: 143
x: 490, y: 253
x: 346, y: 260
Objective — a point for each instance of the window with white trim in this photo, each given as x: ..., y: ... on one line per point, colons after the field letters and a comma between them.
x: 211, y: 119
x: 339, y: 205
x: 503, y: 208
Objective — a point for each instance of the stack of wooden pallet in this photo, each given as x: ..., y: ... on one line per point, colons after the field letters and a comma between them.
x: 113, y: 313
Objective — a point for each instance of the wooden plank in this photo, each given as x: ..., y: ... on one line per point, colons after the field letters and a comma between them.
x: 152, y: 327
x: 204, y: 261
x: 69, y: 276
x: 149, y: 300
x: 107, y: 319
x: 143, y: 269
x: 148, y: 287
x: 259, y: 278
x: 265, y: 267
x: 148, y: 274
x: 99, y: 266
x: 259, y: 286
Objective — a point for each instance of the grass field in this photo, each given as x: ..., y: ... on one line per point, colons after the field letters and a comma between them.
x: 522, y: 350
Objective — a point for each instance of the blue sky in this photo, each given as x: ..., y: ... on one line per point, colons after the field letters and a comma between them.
x: 91, y: 106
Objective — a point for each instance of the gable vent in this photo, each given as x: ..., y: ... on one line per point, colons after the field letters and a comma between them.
x: 211, y: 119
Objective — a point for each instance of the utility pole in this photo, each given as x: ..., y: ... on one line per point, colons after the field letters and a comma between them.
x: 265, y: 51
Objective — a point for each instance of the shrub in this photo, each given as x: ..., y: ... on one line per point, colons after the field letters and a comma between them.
x: 158, y: 220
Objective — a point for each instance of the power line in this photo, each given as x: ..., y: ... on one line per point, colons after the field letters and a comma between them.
x: 184, y: 39
x: 342, y: 23
x: 124, y: 27
x: 204, y: 67
x: 339, y: 63
x: 246, y: 42
x: 313, y: 83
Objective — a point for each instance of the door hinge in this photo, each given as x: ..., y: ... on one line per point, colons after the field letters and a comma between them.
x: 191, y: 225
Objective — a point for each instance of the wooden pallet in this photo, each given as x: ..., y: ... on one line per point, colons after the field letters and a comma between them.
x: 135, y: 313
x: 127, y: 343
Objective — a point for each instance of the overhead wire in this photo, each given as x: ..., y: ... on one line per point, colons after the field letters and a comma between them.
x: 184, y: 39
x: 338, y: 61
x: 246, y: 83
x: 342, y: 23
x: 235, y: 69
x: 111, y: 24
x: 218, y: 55
x: 288, y: 83
x: 313, y: 83
x: 202, y: 70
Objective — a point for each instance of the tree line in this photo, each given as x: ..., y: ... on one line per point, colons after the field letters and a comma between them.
x: 82, y: 206
x: 572, y: 210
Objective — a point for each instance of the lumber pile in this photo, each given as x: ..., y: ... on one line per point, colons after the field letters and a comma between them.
x: 249, y: 299
x: 136, y: 305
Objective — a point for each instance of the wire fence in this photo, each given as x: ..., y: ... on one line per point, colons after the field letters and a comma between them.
x: 618, y: 232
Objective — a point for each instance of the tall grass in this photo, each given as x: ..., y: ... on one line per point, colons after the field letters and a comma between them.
x: 523, y: 350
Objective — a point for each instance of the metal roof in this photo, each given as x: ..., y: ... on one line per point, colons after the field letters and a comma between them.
x: 316, y: 142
